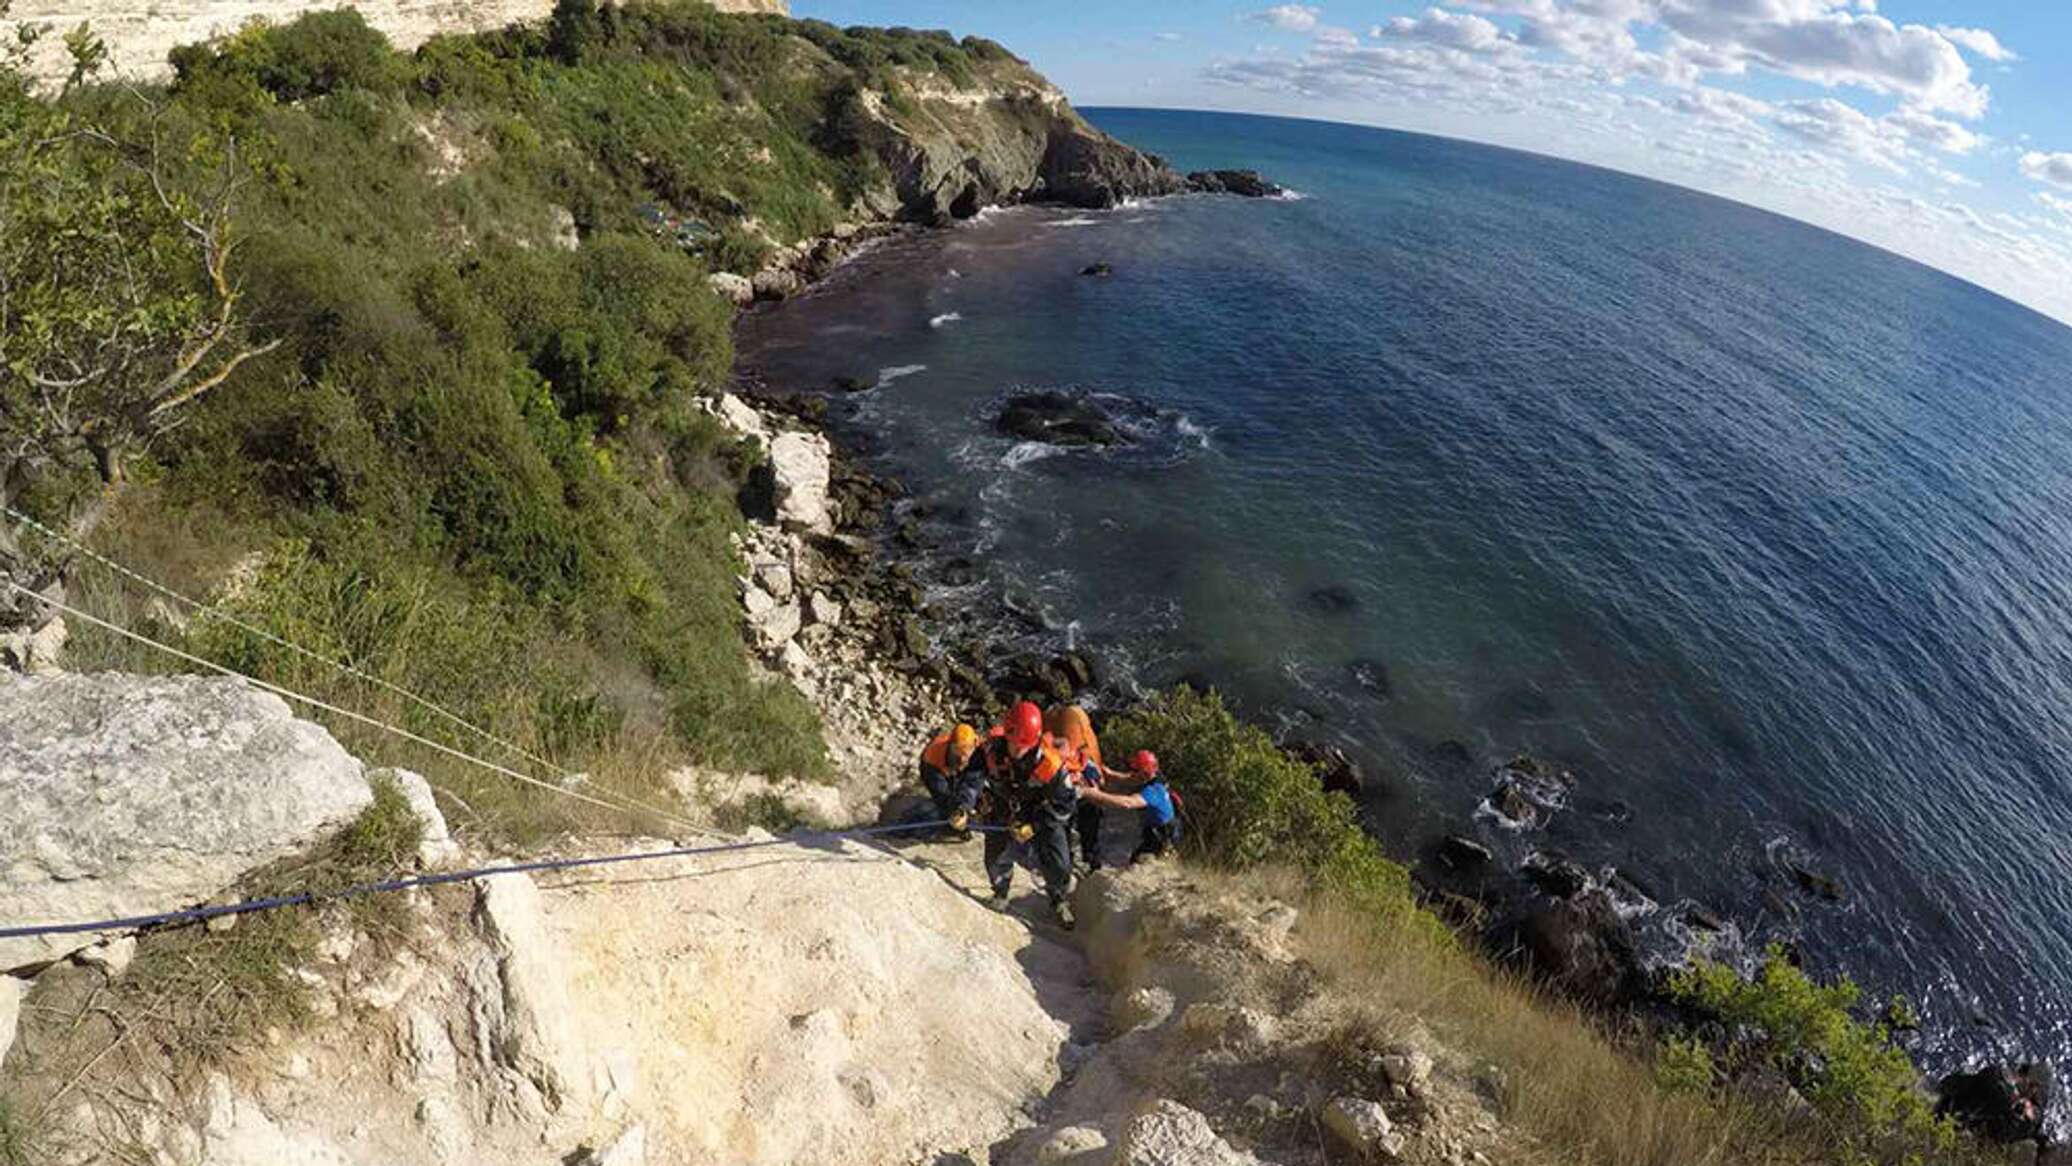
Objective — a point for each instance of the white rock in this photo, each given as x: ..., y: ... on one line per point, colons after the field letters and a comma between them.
x: 387, y: 988
x: 1364, y: 1127
x: 444, y: 1128
x: 566, y: 237
x: 428, y: 1055
x: 112, y: 957
x: 795, y: 662
x: 128, y: 795
x: 12, y: 991
x: 775, y: 283
x: 741, y: 417
x: 1245, y: 1028
x: 774, y: 628
x: 532, y: 1037
x: 629, y: 1150
x: 1408, y: 1068
x: 1071, y: 1146
x: 827, y: 612
x: 801, y: 464
x: 736, y: 289
x: 35, y: 652
x: 1145, y: 1007
x: 1167, y: 1133
x: 435, y: 845
x: 757, y: 602
x: 239, y: 1133
x: 775, y: 578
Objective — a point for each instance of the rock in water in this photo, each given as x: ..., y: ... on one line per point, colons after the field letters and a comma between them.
x: 1097, y: 269
x: 2002, y: 1104
x: 1243, y: 183
x: 1084, y: 167
x: 1581, y: 947
x: 1332, y: 599
x: 127, y: 795
x: 1057, y: 419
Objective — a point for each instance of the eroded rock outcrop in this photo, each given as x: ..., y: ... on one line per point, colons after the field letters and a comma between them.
x: 128, y: 795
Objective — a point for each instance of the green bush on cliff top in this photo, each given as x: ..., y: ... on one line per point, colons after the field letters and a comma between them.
x: 1246, y: 803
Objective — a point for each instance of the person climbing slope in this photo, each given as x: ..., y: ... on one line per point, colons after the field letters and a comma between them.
x: 1074, y: 731
x: 1029, y: 797
x: 1160, y: 816
x: 943, y: 767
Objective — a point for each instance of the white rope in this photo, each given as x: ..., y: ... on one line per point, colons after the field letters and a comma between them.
x: 288, y: 694
x: 270, y: 637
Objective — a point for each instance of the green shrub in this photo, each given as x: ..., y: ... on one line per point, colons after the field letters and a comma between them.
x: 1850, y: 1071
x: 1248, y: 803
x: 317, y: 54
x: 1685, y: 1066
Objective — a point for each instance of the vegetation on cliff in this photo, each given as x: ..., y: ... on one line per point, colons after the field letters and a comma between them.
x: 459, y: 302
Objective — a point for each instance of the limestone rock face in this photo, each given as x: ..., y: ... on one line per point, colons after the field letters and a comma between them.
x: 128, y: 795
x: 802, y: 465
x: 435, y: 845
x: 533, y: 1039
x: 735, y: 289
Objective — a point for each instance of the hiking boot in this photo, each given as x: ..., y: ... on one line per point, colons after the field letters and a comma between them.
x: 1066, y: 919
x: 999, y: 899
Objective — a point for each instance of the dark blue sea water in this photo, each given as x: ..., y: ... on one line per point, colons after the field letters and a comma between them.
x: 1767, y: 533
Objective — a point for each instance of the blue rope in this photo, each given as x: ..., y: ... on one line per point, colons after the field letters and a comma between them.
x: 199, y: 914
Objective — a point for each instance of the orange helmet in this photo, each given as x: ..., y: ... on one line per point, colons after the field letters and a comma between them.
x: 1025, y: 726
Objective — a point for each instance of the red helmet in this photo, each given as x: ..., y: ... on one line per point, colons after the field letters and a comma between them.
x: 1144, y: 762
x: 1025, y: 726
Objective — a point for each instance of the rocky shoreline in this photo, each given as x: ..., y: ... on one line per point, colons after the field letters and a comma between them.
x: 1567, y: 925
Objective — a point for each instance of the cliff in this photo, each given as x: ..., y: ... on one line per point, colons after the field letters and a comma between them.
x: 140, y: 35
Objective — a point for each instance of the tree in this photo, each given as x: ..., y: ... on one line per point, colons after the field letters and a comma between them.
x: 118, y: 312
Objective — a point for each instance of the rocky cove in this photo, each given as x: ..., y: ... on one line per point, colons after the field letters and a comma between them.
x: 1601, y: 935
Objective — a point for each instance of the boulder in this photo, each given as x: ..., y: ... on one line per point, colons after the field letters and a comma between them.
x: 1097, y: 269
x: 1372, y: 676
x: 435, y: 844
x: 112, y: 958
x: 826, y: 611
x: 799, y: 462
x: 1408, y: 1069
x: 776, y: 283
x: 776, y: 626
x: 1071, y: 1146
x: 1166, y: 1133
x: 1243, y: 183
x: 1146, y: 1007
x: 1336, y: 769
x: 738, y: 290
x: 1463, y: 853
x: 1555, y: 874
x: 775, y: 578
x: 1581, y: 947
x: 563, y: 224
x: 1997, y: 1102
x: 739, y: 416
x: 1363, y: 1127
x: 128, y: 795
x: 1816, y: 884
x: 1057, y: 418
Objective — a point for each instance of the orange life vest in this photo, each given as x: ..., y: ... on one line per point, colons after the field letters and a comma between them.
x: 1070, y: 724
x: 937, y: 754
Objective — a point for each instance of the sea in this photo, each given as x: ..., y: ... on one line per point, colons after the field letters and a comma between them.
x: 1455, y: 453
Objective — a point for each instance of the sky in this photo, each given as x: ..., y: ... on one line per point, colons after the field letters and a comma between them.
x: 1939, y: 129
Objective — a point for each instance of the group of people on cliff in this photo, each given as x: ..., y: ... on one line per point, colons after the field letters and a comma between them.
x: 1035, y: 780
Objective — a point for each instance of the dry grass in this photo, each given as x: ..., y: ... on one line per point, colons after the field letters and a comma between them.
x: 1584, y: 1098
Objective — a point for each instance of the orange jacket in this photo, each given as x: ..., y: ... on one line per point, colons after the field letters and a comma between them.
x: 1070, y: 724
x: 937, y: 754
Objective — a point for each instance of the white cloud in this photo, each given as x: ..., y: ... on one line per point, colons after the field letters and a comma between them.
x: 1819, y: 41
x: 1978, y: 41
x: 2051, y: 201
x: 1843, y: 127
x: 1166, y: 36
x: 1929, y: 130
x: 1437, y: 26
x: 2055, y: 169
x: 1289, y: 17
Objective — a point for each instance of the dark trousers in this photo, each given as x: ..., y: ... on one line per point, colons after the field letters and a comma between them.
x: 1053, y: 846
x: 1156, y: 841
x: 940, y: 790
x: 1087, y: 820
